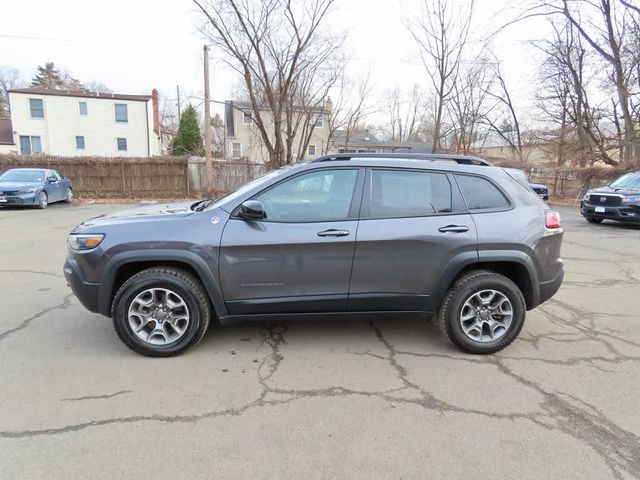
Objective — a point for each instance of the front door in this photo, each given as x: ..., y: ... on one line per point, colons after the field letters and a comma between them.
x: 413, y: 224
x: 299, y: 258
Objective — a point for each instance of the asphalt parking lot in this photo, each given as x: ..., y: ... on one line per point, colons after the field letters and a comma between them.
x: 334, y: 399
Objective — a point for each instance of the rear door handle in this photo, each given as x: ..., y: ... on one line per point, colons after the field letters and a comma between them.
x: 454, y: 229
x: 332, y: 232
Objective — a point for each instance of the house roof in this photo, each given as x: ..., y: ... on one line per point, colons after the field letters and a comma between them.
x: 80, y: 93
x: 6, y: 132
x: 248, y: 106
x: 364, y: 139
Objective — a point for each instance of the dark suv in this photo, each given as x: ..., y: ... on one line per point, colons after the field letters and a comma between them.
x: 620, y: 200
x: 343, y: 235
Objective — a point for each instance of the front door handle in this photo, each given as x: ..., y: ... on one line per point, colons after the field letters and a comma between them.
x: 332, y: 232
x: 454, y: 229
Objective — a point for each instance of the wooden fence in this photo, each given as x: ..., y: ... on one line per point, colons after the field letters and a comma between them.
x: 153, y: 177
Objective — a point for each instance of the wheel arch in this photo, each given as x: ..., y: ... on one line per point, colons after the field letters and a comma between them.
x: 515, y: 265
x: 122, y: 266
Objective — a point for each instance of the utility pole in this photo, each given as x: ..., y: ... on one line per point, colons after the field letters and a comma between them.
x: 207, y: 123
x: 179, y: 106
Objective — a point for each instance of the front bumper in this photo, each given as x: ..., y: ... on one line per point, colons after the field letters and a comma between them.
x: 626, y: 213
x: 21, y: 199
x: 87, y: 292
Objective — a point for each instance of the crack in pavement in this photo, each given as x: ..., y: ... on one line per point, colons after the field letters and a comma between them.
x: 96, y: 397
x: 25, y: 323
x: 35, y: 272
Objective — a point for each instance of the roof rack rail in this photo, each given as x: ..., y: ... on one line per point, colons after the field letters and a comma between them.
x: 433, y: 157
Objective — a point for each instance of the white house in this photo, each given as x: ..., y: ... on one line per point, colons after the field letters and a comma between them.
x: 75, y: 123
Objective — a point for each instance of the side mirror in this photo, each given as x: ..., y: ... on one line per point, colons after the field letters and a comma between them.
x: 252, y: 210
x: 52, y: 180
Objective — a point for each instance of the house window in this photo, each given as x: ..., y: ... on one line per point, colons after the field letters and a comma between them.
x: 319, y: 122
x: 122, y: 144
x: 312, y: 150
x: 236, y: 149
x: 122, y: 114
x: 79, y: 142
x: 83, y: 108
x: 36, y: 106
x: 30, y: 145
x: 247, y: 118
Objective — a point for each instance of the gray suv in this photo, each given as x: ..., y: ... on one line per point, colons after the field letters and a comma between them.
x: 348, y: 234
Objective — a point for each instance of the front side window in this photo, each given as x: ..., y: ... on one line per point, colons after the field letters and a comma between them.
x: 36, y: 107
x: 322, y: 196
x: 30, y: 145
x: 82, y: 106
x: 80, y: 142
x: 397, y: 193
x: 122, y: 113
x: 481, y: 194
x: 122, y: 144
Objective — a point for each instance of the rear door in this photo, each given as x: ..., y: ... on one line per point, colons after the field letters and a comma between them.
x: 412, y: 226
x: 299, y: 258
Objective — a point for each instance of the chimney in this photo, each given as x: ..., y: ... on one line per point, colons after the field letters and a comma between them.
x: 156, y: 110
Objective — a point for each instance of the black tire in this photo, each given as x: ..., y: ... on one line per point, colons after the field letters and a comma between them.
x: 462, y: 289
x: 594, y: 219
x: 43, y: 200
x: 186, y: 286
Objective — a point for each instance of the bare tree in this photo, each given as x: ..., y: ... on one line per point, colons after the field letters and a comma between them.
x: 285, y: 58
x: 609, y: 28
x: 9, y: 79
x: 441, y: 33
x: 407, y: 114
x: 468, y: 104
x: 348, y: 108
x: 502, y: 117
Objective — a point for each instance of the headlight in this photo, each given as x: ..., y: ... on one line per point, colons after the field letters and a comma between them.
x: 586, y: 196
x: 27, y: 190
x: 85, y: 242
x: 634, y: 199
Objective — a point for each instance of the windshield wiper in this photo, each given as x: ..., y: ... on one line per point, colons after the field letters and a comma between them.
x: 202, y: 204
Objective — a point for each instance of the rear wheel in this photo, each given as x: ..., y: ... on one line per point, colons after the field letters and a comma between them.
x: 594, y: 220
x: 161, y: 312
x: 483, y: 312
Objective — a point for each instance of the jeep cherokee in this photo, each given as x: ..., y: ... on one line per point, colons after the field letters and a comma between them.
x: 348, y: 234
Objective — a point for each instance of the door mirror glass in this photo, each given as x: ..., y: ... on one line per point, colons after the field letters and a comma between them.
x: 52, y: 179
x: 252, y: 210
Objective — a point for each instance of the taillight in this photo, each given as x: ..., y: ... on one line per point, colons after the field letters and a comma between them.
x: 552, y: 220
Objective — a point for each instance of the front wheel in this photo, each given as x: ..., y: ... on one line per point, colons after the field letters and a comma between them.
x: 43, y: 200
x: 483, y: 312
x: 161, y: 312
x: 594, y: 220
x: 69, y: 197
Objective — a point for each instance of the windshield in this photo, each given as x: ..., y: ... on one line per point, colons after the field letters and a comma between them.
x: 22, y: 176
x: 248, y: 186
x: 630, y: 180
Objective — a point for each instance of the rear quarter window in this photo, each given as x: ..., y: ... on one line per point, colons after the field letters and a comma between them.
x: 481, y: 194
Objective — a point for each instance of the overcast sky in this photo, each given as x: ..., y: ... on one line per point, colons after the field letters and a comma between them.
x: 133, y: 46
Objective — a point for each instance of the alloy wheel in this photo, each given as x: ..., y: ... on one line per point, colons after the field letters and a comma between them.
x: 486, y: 316
x: 158, y: 316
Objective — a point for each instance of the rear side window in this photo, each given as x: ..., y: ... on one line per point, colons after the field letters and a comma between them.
x: 397, y: 193
x: 481, y: 194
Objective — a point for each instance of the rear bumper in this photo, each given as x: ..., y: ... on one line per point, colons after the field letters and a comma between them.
x: 87, y: 292
x: 625, y: 213
x: 548, y: 289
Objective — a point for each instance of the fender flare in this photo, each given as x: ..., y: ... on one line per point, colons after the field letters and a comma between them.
x: 208, y: 278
